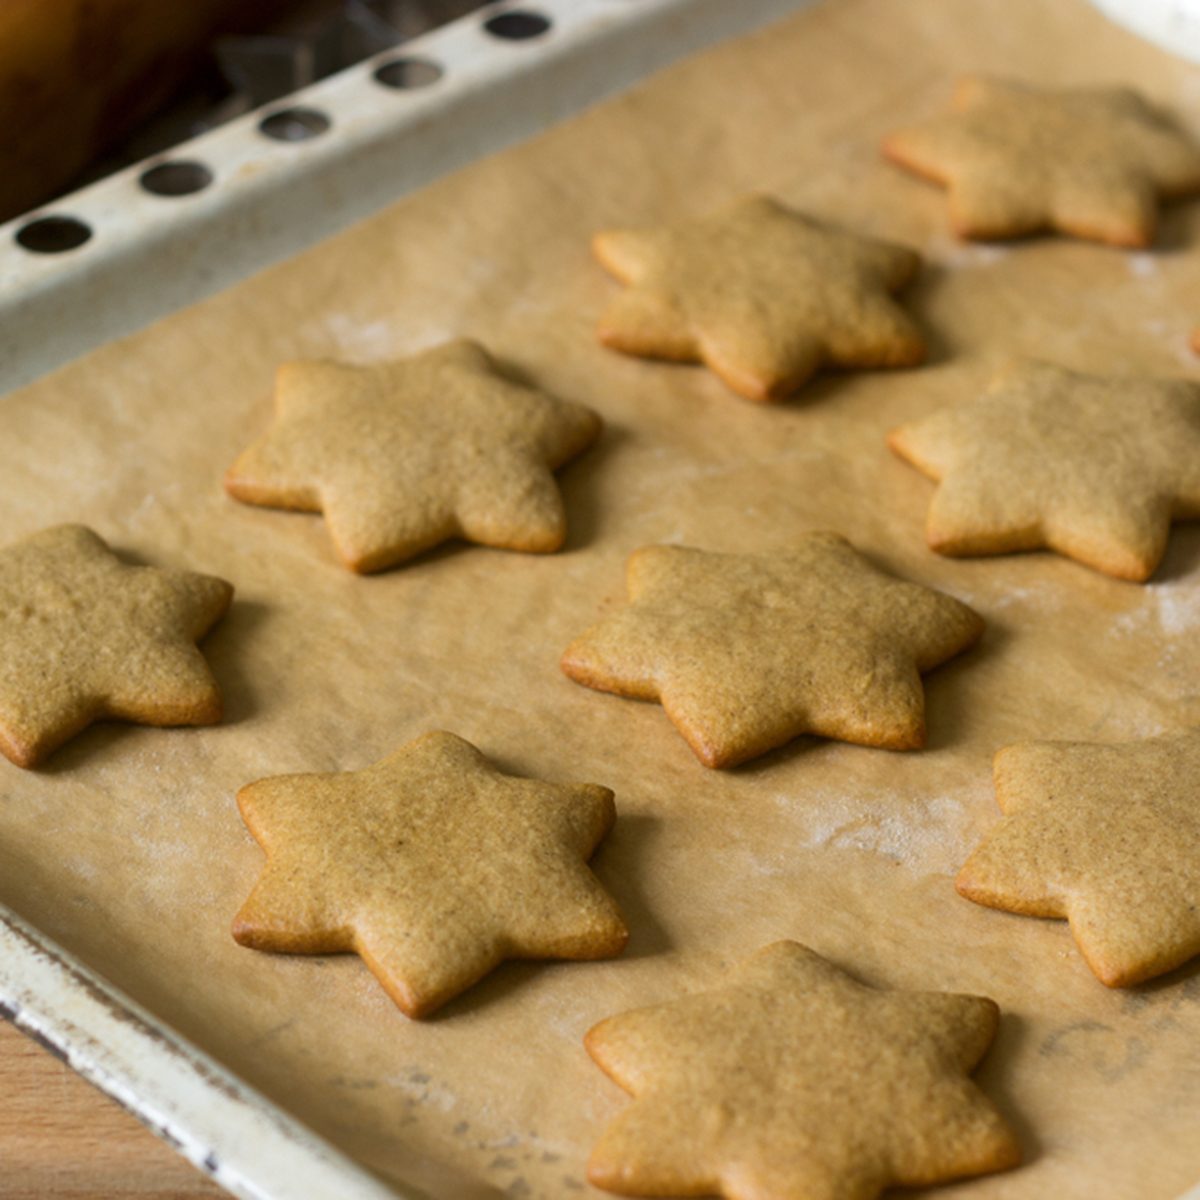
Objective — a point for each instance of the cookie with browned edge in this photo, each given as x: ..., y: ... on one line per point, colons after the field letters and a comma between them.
x: 763, y: 295
x: 400, y: 456
x: 1094, y: 467
x: 85, y: 636
x: 790, y: 1079
x: 1090, y: 162
x: 432, y: 865
x: 747, y: 651
x: 1107, y: 836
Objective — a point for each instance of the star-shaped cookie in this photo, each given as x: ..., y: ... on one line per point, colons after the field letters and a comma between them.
x: 1089, y: 162
x: 746, y: 651
x: 792, y: 1079
x: 403, y: 455
x: 1107, y: 836
x: 1093, y: 467
x: 762, y: 295
x: 84, y: 636
x: 432, y: 866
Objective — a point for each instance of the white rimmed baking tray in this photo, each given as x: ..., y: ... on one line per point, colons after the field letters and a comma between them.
x: 832, y: 844
x: 148, y: 254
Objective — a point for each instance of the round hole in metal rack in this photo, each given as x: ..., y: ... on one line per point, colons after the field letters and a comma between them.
x: 53, y: 235
x: 179, y: 178
x: 407, y: 73
x: 294, y: 124
x: 517, y: 24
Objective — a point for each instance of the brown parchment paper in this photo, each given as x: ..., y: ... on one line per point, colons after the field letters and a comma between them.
x: 128, y: 848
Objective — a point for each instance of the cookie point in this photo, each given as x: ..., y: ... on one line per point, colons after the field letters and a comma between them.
x: 592, y: 1037
x: 609, y: 336
x: 603, y: 245
x: 710, y: 755
x: 891, y: 147
x: 756, y: 389
x: 1007, y: 1151
x: 222, y: 593
x: 605, y: 1175
x: 470, y: 345
x: 211, y: 711
x: 365, y: 563
x: 618, y: 940
x: 571, y: 665
x: 1138, y: 571
x: 545, y: 541
x: 966, y: 229
x: 244, y: 796
x: 897, y: 152
x: 976, y: 626
x: 970, y: 886
x: 1125, y: 564
x: 24, y: 757
x: 1003, y: 753
x: 943, y: 543
x: 606, y: 801
x: 245, y: 933
x: 235, y: 486
x: 906, y: 738
x: 415, y: 1010
x: 1131, y: 237
x: 1114, y: 976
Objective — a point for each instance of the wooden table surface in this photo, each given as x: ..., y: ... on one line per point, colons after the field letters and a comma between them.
x: 62, y: 1138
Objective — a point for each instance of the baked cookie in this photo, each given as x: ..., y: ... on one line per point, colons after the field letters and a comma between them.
x: 792, y: 1079
x: 1107, y: 836
x: 84, y: 636
x: 403, y: 455
x: 762, y: 295
x: 432, y: 866
x: 746, y: 651
x: 1093, y: 467
x: 1090, y: 162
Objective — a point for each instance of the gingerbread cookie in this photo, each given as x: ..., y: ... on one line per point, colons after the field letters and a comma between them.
x: 432, y: 866
x: 1089, y: 162
x: 1093, y: 467
x: 84, y: 636
x: 1107, y: 836
x: 403, y: 455
x: 792, y: 1079
x: 762, y: 295
x: 746, y: 651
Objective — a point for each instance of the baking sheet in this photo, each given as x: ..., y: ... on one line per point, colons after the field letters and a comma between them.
x: 128, y: 849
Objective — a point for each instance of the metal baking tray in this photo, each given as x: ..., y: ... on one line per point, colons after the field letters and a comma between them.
x: 117, y: 255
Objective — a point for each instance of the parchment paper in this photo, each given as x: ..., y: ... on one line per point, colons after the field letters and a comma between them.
x: 128, y: 847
